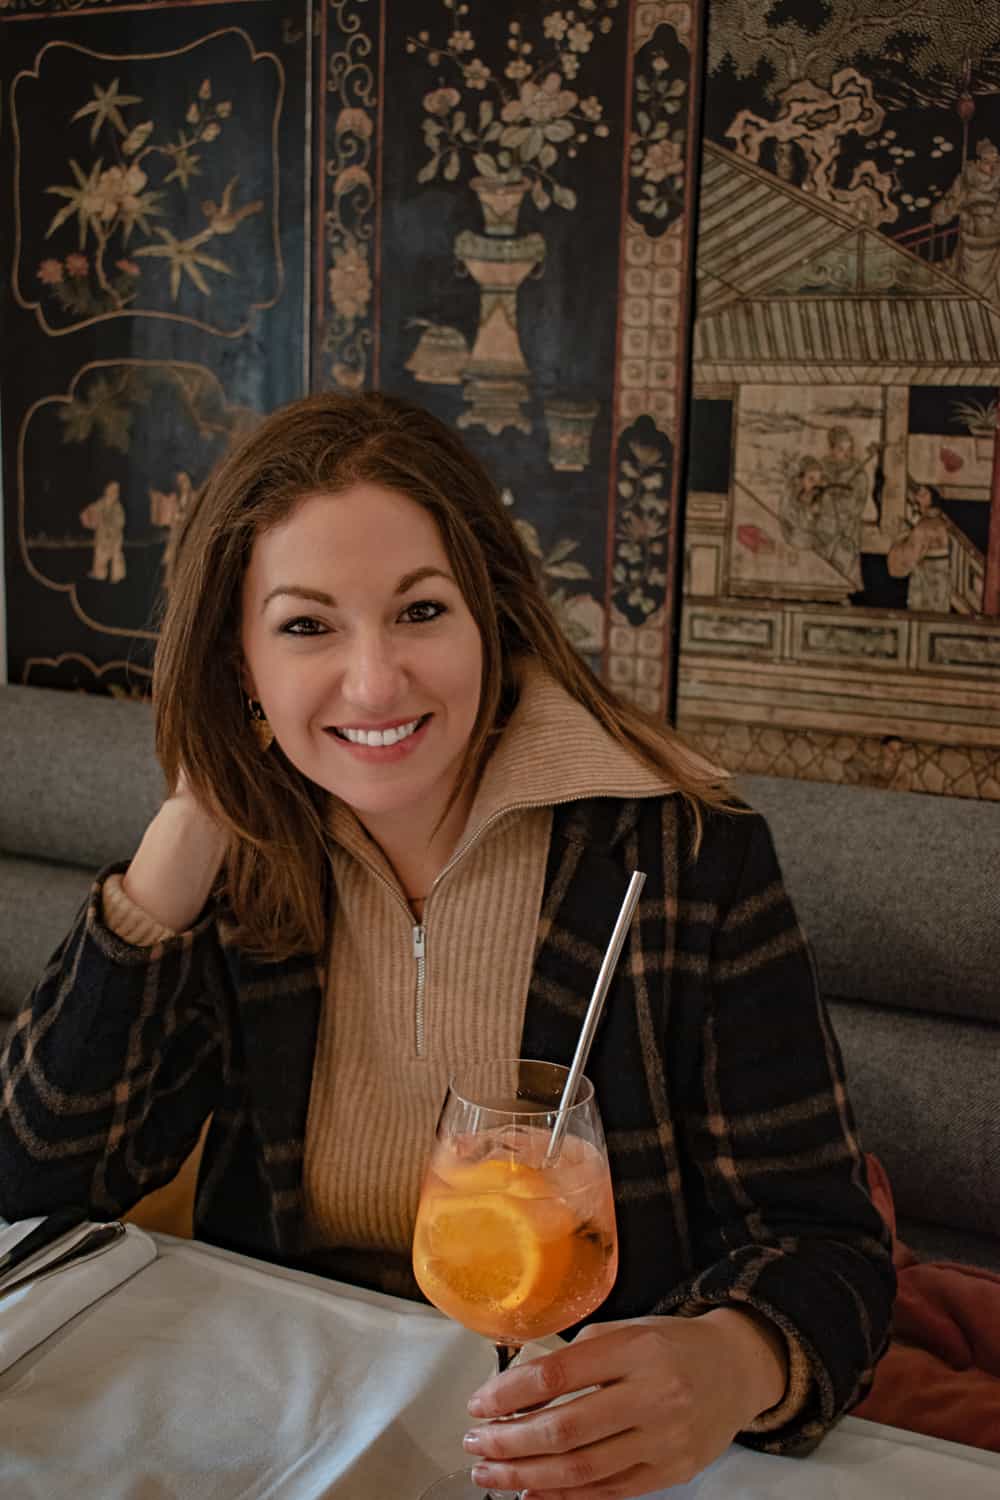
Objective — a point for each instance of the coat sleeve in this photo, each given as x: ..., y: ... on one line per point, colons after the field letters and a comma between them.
x: 781, y: 1221
x: 110, y: 1069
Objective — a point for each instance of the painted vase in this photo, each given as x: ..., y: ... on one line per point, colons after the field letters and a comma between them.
x: 496, y: 374
x: 570, y: 425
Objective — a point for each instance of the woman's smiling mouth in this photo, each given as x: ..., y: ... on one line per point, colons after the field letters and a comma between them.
x: 386, y: 738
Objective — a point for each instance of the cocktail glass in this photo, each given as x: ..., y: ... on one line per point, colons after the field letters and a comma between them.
x: 515, y: 1234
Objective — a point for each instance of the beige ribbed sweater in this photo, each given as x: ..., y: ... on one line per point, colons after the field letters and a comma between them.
x: 389, y: 1036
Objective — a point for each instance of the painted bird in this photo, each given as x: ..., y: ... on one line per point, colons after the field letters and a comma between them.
x: 224, y: 217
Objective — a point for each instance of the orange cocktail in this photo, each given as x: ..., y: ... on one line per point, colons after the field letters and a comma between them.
x: 515, y: 1233
x: 508, y: 1245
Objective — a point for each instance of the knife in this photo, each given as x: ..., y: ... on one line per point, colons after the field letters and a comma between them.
x: 96, y: 1241
x: 50, y: 1229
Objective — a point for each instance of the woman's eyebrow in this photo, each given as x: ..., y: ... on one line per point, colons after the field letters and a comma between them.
x: 320, y: 596
x: 296, y: 591
x: 418, y: 575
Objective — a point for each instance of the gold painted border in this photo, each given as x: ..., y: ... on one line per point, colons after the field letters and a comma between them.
x: 95, y: 670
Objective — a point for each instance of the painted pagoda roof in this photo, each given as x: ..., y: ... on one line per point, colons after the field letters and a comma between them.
x: 792, y: 288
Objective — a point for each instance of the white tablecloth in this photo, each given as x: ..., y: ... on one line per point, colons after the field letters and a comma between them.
x: 209, y: 1376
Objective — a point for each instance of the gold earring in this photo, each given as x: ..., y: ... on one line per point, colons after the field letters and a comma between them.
x: 262, y: 731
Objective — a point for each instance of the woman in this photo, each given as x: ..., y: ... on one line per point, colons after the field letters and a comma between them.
x: 800, y: 513
x: 405, y: 817
x: 922, y: 552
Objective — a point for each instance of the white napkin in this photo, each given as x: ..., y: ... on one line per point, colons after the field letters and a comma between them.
x: 37, y: 1309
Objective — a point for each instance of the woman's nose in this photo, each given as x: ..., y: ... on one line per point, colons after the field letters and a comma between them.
x: 373, y: 675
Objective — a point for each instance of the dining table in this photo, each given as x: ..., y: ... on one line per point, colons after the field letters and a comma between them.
x: 209, y: 1375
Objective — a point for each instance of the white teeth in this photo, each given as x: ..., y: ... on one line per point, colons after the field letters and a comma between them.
x: 379, y: 737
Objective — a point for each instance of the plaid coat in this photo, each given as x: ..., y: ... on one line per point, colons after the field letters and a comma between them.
x: 737, y: 1174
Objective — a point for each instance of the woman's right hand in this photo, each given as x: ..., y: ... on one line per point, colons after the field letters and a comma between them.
x: 176, y: 864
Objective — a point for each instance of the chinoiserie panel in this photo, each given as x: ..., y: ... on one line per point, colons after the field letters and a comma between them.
x: 505, y: 237
x: 842, y: 531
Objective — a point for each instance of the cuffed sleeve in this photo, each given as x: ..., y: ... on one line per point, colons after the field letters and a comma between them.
x: 128, y: 921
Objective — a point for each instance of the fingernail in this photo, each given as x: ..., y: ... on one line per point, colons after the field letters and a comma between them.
x: 476, y: 1406
x: 481, y: 1475
x: 471, y: 1442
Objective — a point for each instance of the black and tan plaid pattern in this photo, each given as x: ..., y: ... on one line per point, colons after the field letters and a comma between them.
x: 738, y: 1177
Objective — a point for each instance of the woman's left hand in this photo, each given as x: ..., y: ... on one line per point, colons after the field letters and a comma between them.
x: 671, y: 1394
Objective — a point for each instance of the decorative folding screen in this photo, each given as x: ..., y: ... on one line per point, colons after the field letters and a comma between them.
x: 490, y: 208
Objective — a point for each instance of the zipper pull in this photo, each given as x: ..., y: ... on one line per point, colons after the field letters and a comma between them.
x: 418, y: 941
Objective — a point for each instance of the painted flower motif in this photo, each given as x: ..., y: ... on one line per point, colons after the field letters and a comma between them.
x: 476, y: 74
x: 50, y: 272
x: 660, y: 64
x: 137, y: 138
x: 350, y: 283
x: 520, y: 131
x: 639, y: 529
x: 117, y: 199
x: 541, y: 103
x: 118, y: 189
x: 441, y: 101
x: 518, y: 70
x: 641, y: 532
x: 662, y: 159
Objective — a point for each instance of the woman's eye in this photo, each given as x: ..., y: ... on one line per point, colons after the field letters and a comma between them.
x: 422, y: 611
x: 303, y: 625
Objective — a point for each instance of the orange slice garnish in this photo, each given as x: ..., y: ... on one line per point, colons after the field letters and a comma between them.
x: 495, y: 1239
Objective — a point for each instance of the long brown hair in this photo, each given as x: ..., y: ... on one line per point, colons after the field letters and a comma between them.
x: 276, y: 874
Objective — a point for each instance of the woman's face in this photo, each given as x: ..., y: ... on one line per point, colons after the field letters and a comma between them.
x: 362, y: 651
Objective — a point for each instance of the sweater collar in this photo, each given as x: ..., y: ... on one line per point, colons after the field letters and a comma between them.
x: 553, y: 750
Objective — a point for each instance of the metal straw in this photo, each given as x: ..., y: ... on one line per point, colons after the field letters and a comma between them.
x: 593, y: 1015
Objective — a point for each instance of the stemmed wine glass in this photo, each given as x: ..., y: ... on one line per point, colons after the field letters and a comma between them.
x: 515, y: 1234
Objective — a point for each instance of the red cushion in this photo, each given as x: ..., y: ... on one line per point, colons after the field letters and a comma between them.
x: 941, y: 1374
